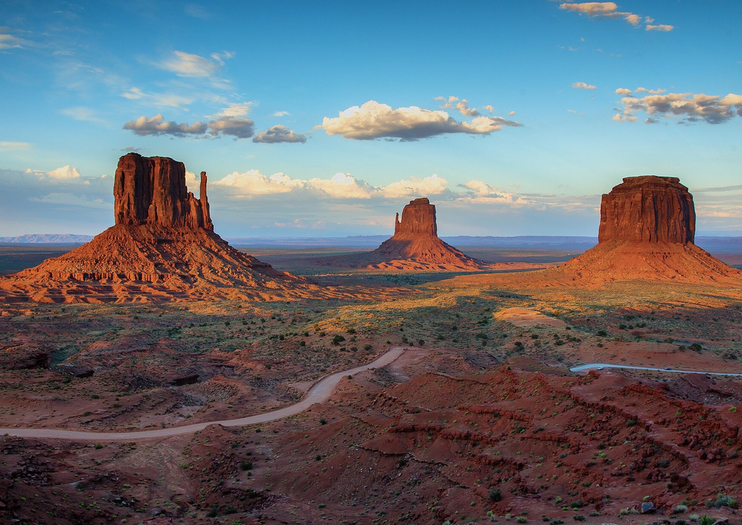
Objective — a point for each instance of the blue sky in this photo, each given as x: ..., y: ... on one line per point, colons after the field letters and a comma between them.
x: 324, y: 118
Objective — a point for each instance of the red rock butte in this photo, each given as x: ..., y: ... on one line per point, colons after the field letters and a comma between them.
x: 162, y: 247
x: 647, y: 229
x: 415, y: 245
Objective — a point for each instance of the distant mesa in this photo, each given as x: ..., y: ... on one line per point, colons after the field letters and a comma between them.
x: 162, y: 247
x: 647, y: 232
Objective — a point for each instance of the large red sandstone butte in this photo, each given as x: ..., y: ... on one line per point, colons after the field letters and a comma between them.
x: 162, y: 247
x: 647, y: 228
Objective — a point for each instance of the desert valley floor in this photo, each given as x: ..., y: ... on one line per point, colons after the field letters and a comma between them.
x: 480, y: 420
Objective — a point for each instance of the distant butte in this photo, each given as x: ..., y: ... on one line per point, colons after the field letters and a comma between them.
x: 415, y: 246
x: 647, y: 229
x: 162, y: 247
x: 415, y: 243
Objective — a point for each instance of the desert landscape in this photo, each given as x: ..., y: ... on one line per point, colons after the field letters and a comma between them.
x: 166, y: 377
x: 370, y: 263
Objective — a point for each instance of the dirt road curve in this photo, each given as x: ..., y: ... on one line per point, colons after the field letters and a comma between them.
x: 320, y: 392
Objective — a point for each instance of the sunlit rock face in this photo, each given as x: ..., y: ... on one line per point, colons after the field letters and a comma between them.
x: 648, y: 209
x: 152, y: 190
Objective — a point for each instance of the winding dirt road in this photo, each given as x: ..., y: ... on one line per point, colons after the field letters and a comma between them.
x: 318, y: 393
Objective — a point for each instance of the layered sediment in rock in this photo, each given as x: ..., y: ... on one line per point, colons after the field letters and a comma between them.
x: 163, y: 246
x: 648, y: 209
x: 647, y: 229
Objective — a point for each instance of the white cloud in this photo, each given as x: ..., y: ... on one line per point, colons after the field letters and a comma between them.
x: 461, y: 106
x: 650, y: 91
x: 157, y: 99
x: 158, y: 126
x: 583, y: 85
x: 234, y: 109
x: 660, y: 27
x: 373, y: 120
x: 342, y: 186
x: 83, y: 114
x: 14, y: 146
x: 432, y: 185
x: 190, y: 65
x: 221, y: 57
x: 69, y: 199
x: 281, y: 113
x: 241, y: 128
x: 63, y: 173
x: 8, y: 41
x: 689, y: 107
x: 610, y: 10
x: 277, y: 134
x: 623, y: 91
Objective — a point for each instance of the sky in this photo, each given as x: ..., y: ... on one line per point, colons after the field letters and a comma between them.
x: 321, y: 119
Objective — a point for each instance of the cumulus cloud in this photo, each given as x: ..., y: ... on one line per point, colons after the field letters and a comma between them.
x: 189, y: 65
x: 650, y: 91
x: 253, y: 182
x: 64, y: 173
x: 158, y: 126
x: 234, y: 109
x: 14, y: 146
x: 277, y: 134
x: 623, y: 91
x: 689, y: 107
x: 432, y: 185
x: 610, y: 10
x: 461, y: 106
x: 661, y: 27
x: 241, y: 128
x: 373, y: 120
x: 583, y: 85
x: 281, y: 113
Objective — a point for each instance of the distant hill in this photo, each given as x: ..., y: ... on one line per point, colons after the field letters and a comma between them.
x: 47, y: 238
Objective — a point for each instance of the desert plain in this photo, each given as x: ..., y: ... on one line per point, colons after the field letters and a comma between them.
x: 480, y: 420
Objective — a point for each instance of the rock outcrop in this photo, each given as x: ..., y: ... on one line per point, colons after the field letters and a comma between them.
x: 415, y: 243
x: 162, y: 247
x: 152, y: 190
x: 415, y: 246
x: 418, y: 219
x: 648, y: 209
x: 647, y: 229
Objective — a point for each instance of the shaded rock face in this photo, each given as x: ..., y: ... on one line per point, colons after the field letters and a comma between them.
x: 418, y: 218
x: 152, y: 191
x: 648, y: 209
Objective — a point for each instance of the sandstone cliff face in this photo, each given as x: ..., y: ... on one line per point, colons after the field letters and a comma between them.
x: 152, y: 190
x: 418, y: 219
x: 648, y: 209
